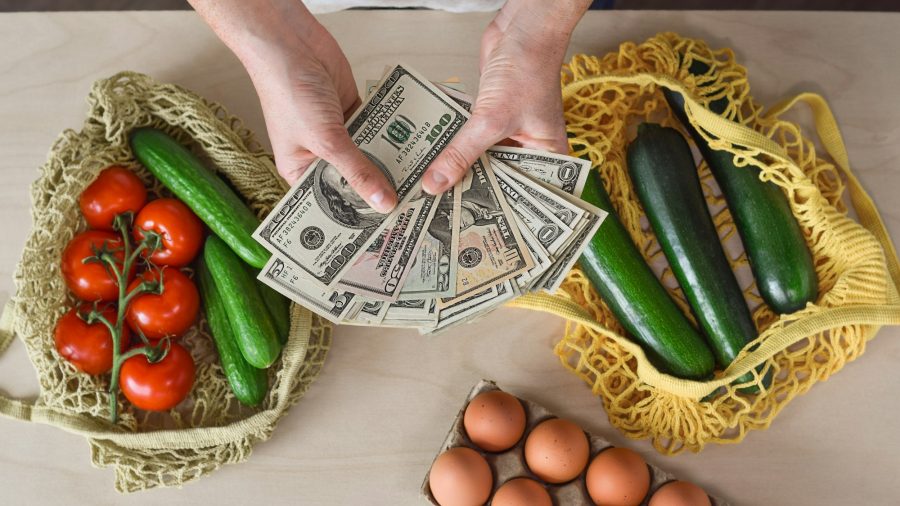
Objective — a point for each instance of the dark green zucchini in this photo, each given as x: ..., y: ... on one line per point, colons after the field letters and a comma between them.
x: 642, y: 305
x: 248, y: 383
x: 665, y: 179
x: 775, y: 245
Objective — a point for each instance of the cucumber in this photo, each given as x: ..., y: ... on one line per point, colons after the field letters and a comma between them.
x: 665, y: 179
x: 253, y: 328
x: 774, y: 243
x: 278, y: 305
x: 211, y: 199
x: 642, y: 305
x: 248, y: 383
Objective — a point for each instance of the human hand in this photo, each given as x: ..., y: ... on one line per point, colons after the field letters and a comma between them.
x: 519, y: 95
x: 305, y: 87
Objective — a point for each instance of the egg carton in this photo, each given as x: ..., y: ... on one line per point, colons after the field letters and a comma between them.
x: 511, y: 463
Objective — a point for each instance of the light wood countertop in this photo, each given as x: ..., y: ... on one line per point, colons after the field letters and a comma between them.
x: 368, y: 428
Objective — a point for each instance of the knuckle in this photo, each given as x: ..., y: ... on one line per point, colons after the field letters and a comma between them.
x: 330, y: 140
x: 455, y: 160
x: 491, y: 126
x: 358, y: 178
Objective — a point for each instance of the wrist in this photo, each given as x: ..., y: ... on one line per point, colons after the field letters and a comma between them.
x: 540, y: 22
x: 272, y: 31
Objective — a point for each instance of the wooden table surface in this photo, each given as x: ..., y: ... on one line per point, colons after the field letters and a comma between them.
x: 368, y: 428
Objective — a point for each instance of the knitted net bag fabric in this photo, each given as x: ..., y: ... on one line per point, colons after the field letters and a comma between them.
x: 211, y: 428
x: 604, y: 99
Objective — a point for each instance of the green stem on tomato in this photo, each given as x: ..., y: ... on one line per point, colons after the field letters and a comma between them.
x: 151, y: 241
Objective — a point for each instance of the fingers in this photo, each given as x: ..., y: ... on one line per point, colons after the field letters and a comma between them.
x: 478, y: 134
x: 335, y: 146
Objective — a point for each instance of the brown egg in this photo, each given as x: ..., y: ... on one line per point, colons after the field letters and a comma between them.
x: 521, y: 492
x: 679, y: 493
x: 556, y: 450
x: 617, y: 477
x: 460, y: 477
x: 494, y: 420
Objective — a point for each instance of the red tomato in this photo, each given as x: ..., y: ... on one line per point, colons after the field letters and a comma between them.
x: 170, y: 313
x: 159, y: 386
x: 115, y: 191
x: 178, y: 227
x: 91, y: 281
x: 88, y: 347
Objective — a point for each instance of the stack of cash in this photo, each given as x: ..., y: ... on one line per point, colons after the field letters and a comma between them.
x: 514, y: 224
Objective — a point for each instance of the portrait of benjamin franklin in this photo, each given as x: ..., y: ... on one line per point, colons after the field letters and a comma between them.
x: 341, y: 202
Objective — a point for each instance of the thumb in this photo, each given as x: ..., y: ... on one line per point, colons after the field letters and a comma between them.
x: 357, y: 171
x: 479, y: 133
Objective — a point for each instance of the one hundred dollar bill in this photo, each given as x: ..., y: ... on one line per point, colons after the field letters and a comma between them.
x: 567, y: 173
x: 321, y: 224
x: 458, y: 95
x: 380, y: 271
x: 491, y: 249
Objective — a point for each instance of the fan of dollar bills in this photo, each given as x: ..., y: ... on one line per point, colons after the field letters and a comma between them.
x: 514, y: 224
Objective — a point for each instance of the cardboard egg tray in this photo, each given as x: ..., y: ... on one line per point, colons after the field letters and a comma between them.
x: 511, y: 463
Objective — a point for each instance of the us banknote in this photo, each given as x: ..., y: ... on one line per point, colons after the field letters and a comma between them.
x: 514, y: 224
x: 433, y: 271
x: 589, y: 218
x: 471, y: 308
x: 321, y: 224
x: 381, y: 270
x: 549, y: 230
x: 491, y: 249
x: 293, y: 283
x: 567, y: 173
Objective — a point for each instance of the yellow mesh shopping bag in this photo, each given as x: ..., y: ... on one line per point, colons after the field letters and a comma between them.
x: 856, y: 263
x: 211, y: 428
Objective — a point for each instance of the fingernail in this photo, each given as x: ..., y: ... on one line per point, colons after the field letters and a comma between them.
x: 381, y: 202
x: 434, y: 182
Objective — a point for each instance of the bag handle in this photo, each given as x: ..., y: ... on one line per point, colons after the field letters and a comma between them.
x: 15, y: 409
x: 777, y: 341
x: 7, y: 321
x: 833, y: 142
x: 830, y: 136
x: 174, y: 439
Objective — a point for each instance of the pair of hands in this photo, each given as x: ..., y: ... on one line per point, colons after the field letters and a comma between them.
x: 307, y: 92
